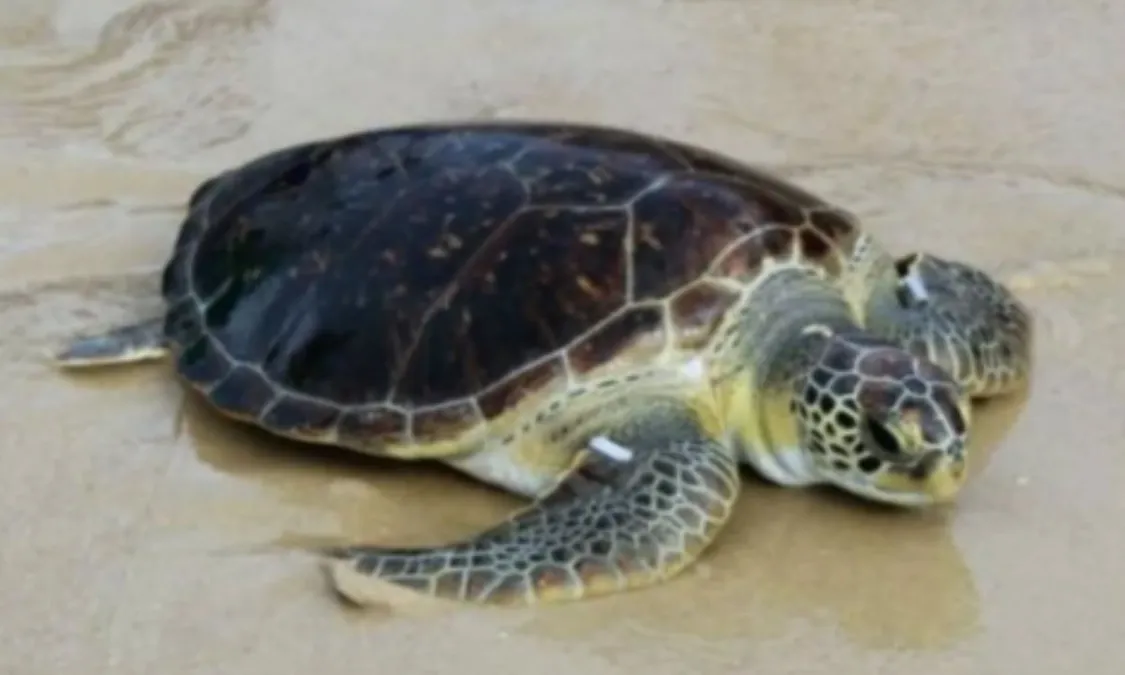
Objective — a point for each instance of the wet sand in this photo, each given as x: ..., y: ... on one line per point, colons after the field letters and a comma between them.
x: 141, y: 532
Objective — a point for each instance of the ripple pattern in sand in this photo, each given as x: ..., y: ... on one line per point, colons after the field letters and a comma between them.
x: 161, y: 79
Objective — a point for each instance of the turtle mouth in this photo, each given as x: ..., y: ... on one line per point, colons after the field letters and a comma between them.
x: 936, y: 479
x: 933, y: 480
x: 873, y: 490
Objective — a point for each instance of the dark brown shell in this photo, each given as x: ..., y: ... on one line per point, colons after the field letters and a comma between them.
x: 404, y: 284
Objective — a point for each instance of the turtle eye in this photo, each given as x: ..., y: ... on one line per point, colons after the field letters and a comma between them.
x: 882, y: 438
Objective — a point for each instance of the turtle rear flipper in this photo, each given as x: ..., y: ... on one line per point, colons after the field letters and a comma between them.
x: 611, y: 524
x: 142, y: 341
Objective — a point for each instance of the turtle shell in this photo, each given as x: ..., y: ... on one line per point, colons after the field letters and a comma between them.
x: 405, y: 285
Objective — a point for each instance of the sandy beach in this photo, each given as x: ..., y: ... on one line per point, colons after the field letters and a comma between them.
x: 145, y: 534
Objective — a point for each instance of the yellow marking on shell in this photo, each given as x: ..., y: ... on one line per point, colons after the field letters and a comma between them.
x: 588, y: 287
x: 439, y: 449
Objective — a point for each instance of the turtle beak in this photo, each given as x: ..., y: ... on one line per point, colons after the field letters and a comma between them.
x: 936, y: 478
x: 942, y: 478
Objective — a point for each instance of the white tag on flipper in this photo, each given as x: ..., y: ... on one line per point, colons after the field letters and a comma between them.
x: 614, y: 451
x: 916, y: 287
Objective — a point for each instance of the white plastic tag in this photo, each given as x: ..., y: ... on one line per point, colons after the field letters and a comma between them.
x: 614, y: 451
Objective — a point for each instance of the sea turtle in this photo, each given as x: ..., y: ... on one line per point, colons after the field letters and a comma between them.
x: 603, y: 321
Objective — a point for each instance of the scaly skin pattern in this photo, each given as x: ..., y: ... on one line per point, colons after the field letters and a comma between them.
x: 608, y: 526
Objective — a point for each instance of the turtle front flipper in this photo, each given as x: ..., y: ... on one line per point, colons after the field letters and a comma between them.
x: 613, y: 523
x: 143, y: 341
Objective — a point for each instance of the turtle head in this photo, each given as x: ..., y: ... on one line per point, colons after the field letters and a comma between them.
x: 957, y: 317
x: 883, y: 424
